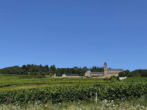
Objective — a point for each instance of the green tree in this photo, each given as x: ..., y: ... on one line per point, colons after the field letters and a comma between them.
x: 131, y: 75
x: 122, y: 74
x: 53, y: 68
x: 127, y: 72
x: 144, y: 73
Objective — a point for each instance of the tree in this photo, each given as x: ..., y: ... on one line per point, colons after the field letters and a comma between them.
x: 122, y: 74
x: 46, y: 68
x: 131, y: 75
x: 53, y: 68
x: 127, y: 72
x: 144, y: 73
x: 24, y: 67
x: 114, y: 79
x: 85, y: 68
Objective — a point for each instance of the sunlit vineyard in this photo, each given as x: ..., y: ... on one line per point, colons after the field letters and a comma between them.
x: 61, y: 94
x: 22, y: 89
x: 11, y: 82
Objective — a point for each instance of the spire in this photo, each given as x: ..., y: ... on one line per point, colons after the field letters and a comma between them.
x: 105, y: 63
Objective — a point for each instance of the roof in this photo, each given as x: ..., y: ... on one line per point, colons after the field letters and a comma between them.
x: 114, y: 69
x: 96, y: 72
x: 112, y: 73
x: 72, y: 74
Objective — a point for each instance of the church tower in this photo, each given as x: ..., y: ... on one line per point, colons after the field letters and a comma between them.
x: 105, y: 68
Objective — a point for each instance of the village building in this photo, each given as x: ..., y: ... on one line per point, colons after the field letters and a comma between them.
x: 70, y: 75
x: 107, y: 72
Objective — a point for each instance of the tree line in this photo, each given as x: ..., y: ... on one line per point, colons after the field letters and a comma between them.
x: 135, y: 73
x: 32, y: 69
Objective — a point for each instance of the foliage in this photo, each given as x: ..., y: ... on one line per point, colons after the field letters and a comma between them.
x: 144, y: 73
x: 135, y: 104
x: 14, y: 81
x: 46, y: 70
x: 114, y: 78
x: 94, y: 69
x: 64, y: 94
x: 40, y: 76
x: 32, y: 69
x: 135, y: 73
x: 122, y: 74
x: 106, y: 79
x: 135, y: 79
x: 131, y: 75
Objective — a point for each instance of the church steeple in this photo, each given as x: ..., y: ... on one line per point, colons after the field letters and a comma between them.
x: 105, y: 64
x: 105, y: 68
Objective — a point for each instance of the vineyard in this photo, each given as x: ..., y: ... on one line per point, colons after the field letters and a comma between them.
x: 13, y: 82
x: 61, y: 94
x: 135, y: 79
x: 21, y: 89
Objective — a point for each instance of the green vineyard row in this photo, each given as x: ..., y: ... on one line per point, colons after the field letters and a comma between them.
x: 73, y: 93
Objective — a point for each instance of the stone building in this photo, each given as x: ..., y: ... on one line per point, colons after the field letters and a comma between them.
x: 107, y: 72
x: 70, y: 75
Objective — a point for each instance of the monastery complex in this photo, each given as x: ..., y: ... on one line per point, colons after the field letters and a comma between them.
x: 107, y: 72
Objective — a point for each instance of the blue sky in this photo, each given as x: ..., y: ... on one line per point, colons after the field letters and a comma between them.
x: 70, y: 33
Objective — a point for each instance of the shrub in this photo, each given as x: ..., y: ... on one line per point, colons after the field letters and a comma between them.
x: 40, y: 76
x: 114, y: 79
x: 106, y: 79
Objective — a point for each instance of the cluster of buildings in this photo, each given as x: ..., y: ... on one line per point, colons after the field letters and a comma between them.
x: 107, y: 73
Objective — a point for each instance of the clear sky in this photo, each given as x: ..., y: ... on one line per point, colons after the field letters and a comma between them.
x: 70, y: 33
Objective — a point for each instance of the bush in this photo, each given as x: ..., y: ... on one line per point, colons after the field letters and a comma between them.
x: 130, y: 75
x: 114, y: 78
x: 106, y: 79
x: 40, y: 76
